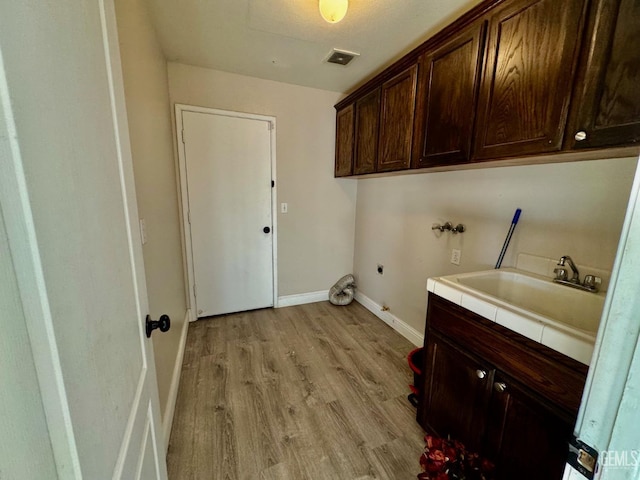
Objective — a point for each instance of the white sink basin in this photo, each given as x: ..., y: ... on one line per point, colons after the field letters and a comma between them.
x: 561, y: 317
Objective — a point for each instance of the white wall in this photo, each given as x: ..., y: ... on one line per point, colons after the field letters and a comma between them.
x: 147, y: 96
x: 567, y: 208
x: 316, y: 237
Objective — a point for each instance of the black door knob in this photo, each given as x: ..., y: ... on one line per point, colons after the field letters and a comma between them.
x: 266, y: 229
x: 164, y: 324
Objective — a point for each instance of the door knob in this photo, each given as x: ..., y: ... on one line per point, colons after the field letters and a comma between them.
x: 164, y: 324
x: 266, y: 229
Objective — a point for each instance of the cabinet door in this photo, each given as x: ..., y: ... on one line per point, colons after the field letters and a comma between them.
x: 524, y: 439
x: 398, y: 104
x: 606, y: 104
x: 532, y: 49
x: 344, y: 142
x: 366, y: 133
x: 456, y: 392
x: 449, y: 78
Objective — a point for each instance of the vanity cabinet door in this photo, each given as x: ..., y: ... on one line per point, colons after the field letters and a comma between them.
x: 606, y: 103
x: 366, y: 133
x: 448, y: 88
x: 344, y: 141
x: 525, y: 439
x: 532, y: 51
x: 398, y: 104
x: 455, y: 394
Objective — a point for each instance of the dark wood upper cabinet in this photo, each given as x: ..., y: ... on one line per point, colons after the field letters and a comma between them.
x: 525, y: 440
x: 510, y: 80
x: 448, y: 89
x: 532, y: 51
x: 366, y: 133
x: 606, y: 103
x: 397, y: 107
x: 344, y: 142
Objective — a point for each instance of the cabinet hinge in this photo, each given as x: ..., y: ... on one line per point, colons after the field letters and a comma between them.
x: 189, y: 216
x: 195, y: 292
x: 182, y: 135
x: 273, y: 183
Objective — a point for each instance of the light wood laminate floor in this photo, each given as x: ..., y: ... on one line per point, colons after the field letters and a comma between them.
x: 306, y: 392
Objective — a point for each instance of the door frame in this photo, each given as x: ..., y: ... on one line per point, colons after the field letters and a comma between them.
x: 184, y: 196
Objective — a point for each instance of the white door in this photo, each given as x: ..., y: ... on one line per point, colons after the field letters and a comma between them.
x: 228, y: 169
x: 68, y: 201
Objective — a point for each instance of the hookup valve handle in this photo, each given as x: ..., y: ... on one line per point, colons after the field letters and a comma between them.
x: 164, y: 324
x: 449, y: 227
x: 442, y: 228
x: 458, y: 229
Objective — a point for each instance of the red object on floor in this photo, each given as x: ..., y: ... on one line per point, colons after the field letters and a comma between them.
x: 412, y: 358
x: 416, y: 362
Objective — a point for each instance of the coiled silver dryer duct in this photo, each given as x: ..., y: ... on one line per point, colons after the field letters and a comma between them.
x: 342, y: 292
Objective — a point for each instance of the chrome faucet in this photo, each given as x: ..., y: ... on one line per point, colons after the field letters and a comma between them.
x: 574, y: 269
x: 591, y: 283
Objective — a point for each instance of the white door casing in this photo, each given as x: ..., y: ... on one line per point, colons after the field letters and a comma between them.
x: 227, y: 163
x: 68, y: 199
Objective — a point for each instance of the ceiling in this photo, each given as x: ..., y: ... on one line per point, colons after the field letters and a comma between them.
x: 288, y: 41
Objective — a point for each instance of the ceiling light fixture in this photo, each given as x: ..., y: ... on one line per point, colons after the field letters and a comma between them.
x: 333, y: 10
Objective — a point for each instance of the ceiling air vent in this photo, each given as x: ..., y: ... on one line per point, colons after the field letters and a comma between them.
x: 341, y: 57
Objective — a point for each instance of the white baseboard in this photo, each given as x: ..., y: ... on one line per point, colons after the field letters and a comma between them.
x: 302, y: 298
x: 167, y: 419
x: 407, y: 331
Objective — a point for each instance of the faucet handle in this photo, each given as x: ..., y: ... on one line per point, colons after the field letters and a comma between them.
x: 561, y: 273
x: 592, y: 281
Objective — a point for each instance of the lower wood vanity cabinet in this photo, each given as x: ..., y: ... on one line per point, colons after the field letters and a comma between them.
x: 509, y: 398
x: 525, y: 438
x: 456, y: 393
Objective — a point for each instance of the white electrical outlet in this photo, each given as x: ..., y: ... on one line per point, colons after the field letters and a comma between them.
x: 455, y: 256
x: 284, y: 208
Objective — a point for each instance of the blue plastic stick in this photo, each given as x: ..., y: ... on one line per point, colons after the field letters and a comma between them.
x: 514, y: 222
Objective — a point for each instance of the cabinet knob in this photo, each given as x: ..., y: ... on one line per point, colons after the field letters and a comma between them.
x: 481, y: 373
x: 581, y: 135
x: 500, y: 387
